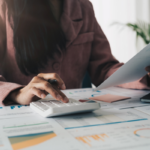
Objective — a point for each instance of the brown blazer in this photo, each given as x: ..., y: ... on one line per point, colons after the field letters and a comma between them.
x: 87, y: 49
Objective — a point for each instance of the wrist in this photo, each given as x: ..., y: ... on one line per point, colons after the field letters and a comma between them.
x: 13, y: 95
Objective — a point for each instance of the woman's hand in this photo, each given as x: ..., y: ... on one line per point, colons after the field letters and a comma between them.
x: 148, y: 79
x: 148, y: 70
x: 38, y: 88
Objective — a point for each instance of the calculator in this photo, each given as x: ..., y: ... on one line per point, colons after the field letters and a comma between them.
x: 49, y: 108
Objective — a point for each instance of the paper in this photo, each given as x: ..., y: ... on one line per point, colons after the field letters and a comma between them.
x: 127, y: 136
x: 135, y: 95
x: 109, y: 98
x: 36, y: 133
x: 145, y: 109
x: 100, y: 117
x: 107, y: 129
x: 4, y: 142
x: 78, y: 94
x: 129, y: 103
x: 133, y: 70
x: 81, y: 93
x: 15, y: 111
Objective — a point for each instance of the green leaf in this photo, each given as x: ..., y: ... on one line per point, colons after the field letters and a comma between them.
x: 142, y: 30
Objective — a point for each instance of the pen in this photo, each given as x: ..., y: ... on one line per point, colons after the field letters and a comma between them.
x: 52, y: 81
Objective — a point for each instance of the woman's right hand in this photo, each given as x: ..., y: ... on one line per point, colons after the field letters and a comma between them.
x: 38, y: 88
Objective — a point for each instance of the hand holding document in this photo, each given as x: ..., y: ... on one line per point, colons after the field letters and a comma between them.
x: 133, y: 70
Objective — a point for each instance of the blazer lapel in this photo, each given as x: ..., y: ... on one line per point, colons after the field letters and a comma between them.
x: 71, y: 20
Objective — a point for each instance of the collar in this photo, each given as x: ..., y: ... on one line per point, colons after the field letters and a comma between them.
x: 71, y: 19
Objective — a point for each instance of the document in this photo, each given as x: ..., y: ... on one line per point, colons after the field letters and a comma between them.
x: 145, y: 109
x: 133, y: 70
x: 101, y: 117
x: 127, y: 136
x: 130, y: 103
x: 82, y: 93
x: 4, y: 142
x: 15, y: 111
x: 78, y: 94
x: 36, y: 133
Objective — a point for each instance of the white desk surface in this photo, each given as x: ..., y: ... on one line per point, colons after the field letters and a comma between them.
x: 120, y: 125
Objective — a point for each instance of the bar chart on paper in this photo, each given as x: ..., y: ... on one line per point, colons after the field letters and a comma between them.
x: 29, y: 133
x: 92, y: 138
x: 121, y: 136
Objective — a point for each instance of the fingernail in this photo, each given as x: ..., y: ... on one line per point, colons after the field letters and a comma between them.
x: 66, y: 99
x: 42, y: 95
x: 63, y: 87
x: 58, y: 97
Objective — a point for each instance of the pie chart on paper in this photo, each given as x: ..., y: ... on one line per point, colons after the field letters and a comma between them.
x: 143, y: 133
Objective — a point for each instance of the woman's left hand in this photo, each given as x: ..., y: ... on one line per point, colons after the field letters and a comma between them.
x: 148, y: 70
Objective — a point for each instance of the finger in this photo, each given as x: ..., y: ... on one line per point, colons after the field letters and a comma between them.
x: 48, y: 76
x: 55, y: 92
x: 147, y: 68
x: 65, y: 99
x: 39, y: 93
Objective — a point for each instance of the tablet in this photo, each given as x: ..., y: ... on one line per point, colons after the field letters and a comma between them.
x: 145, y: 98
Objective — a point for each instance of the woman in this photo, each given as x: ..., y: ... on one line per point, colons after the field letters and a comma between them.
x: 51, y: 39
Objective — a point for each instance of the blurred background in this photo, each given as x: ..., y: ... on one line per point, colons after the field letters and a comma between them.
x: 113, y: 15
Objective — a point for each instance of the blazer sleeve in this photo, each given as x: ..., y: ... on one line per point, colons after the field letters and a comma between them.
x: 5, y: 87
x: 103, y: 64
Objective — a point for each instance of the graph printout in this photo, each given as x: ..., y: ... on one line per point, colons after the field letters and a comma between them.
x: 79, y: 93
x: 4, y: 142
x: 130, y: 103
x: 86, y: 93
x: 102, y: 117
x: 145, y: 109
x: 127, y: 136
x: 28, y: 140
x: 15, y: 111
x: 29, y: 133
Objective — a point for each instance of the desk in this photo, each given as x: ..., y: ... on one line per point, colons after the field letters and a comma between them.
x: 115, y: 126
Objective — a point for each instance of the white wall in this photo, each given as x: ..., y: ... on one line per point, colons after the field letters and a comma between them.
x: 123, y: 42
x: 142, y: 13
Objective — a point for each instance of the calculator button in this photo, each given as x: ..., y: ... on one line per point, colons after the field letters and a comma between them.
x: 62, y: 105
x: 48, y: 104
x: 69, y: 104
x: 41, y: 106
x: 76, y: 103
x: 56, y: 103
